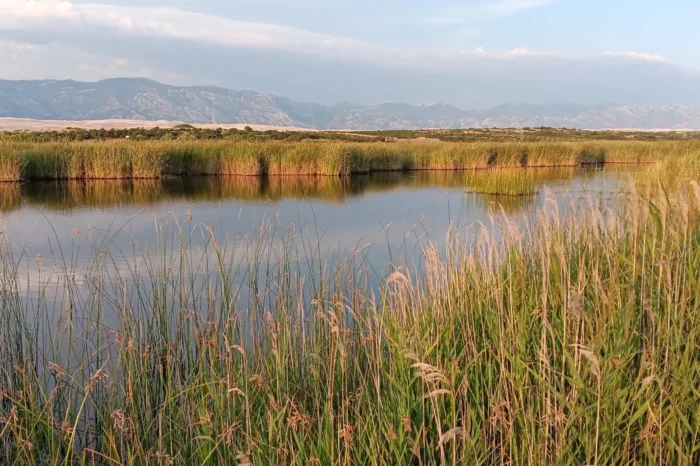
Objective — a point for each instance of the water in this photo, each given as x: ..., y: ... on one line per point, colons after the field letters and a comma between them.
x: 339, y: 232
x: 388, y: 217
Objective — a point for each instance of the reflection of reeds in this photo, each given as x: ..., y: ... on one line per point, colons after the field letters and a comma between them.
x: 306, y: 187
x: 107, y: 194
x: 508, y: 204
x: 233, y: 187
x: 575, y: 342
x: 68, y: 195
x: 10, y: 197
x: 155, y: 159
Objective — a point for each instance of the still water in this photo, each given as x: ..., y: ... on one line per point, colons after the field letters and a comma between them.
x: 75, y: 255
x: 381, y: 219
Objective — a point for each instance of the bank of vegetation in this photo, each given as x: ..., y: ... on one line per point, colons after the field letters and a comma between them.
x: 541, y: 134
x: 22, y: 161
x: 185, y: 132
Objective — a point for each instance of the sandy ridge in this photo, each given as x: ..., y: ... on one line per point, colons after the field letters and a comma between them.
x: 26, y: 124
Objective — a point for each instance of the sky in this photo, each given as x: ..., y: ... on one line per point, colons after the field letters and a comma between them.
x: 469, y: 53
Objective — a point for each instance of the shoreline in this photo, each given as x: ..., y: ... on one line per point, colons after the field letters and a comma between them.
x: 30, y: 161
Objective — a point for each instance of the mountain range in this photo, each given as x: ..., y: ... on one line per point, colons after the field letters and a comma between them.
x: 142, y: 99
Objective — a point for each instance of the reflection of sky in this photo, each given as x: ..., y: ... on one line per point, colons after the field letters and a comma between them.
x: 397, y: 218
x: 385, y: 224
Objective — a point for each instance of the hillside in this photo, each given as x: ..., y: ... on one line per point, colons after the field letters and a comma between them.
x: 141, y: 99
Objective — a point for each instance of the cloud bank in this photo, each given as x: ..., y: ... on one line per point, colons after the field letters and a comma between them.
x: 88, y: 41
x: 485, y: 11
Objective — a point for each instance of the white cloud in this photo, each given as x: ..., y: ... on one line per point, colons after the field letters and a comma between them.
x: 51, y: 15
x: 56, y: 61
x: 636, y: 55
x: 36, y: 9
x: 52, y: 20
x: 509, y: 7
x: 46, y: 16
x: 525, y: 52
x: 485, y: 11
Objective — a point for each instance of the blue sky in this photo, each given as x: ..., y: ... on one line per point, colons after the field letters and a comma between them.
x: 362, y: 47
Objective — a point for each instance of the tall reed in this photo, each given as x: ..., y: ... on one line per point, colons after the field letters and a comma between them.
x: 571, y: 340
x: 154, y: 159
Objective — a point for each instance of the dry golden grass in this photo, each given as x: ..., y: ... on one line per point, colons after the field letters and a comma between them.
x: 155, y: 159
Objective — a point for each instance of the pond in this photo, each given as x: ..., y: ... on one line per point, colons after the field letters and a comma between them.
x: 96, y: 258
x: 383, y: 218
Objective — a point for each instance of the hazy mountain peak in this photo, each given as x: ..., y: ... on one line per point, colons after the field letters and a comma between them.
x: 141, y: 98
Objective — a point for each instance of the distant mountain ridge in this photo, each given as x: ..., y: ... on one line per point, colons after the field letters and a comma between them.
x: 142, y: 99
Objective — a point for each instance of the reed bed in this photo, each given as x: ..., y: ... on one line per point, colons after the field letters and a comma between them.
x: 246, y: 158
x: 11, y: 165
x: 22, y: 161
x: 672, y: 172
x: 518, y: 183
x: 503, y: 182
x: 570, y: 340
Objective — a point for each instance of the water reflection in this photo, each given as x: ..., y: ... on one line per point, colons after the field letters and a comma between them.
x: 64, y: 197
x: 388, y: 217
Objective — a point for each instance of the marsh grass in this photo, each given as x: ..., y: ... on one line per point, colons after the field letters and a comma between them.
x: 570, y: 340
x: 591, y: 156
x: 156, y: 159
x: 50, y: 163
x: 514, y: 182
x: 504, y: 182
x: 246, y: 158
x: 12, y: 166
x: 670, y: 173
